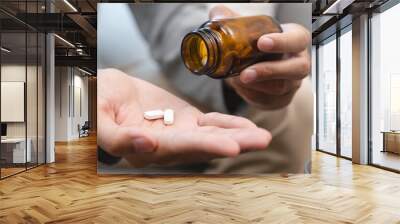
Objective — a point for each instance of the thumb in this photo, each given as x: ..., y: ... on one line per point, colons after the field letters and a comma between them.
x: 119, y: 140
x: 221, y: 11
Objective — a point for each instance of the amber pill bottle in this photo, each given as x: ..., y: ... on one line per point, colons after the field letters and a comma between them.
x: 224, y: 47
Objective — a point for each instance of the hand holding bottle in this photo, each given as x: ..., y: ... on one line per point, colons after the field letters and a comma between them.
x: 272, y: 84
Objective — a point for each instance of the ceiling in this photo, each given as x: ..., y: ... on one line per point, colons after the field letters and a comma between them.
x: 76, y: 22
x: 72, y: 20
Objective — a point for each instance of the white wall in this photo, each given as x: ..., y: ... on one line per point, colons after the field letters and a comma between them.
x: 67, y: 115
x: 33, y: 126
x: 80, y: 84
x: 61, y: 103
x: 14, y: 72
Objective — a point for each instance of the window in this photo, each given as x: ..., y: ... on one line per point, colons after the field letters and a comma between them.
x: 346, y: 95
x: 314, y: 84
x: 327, y: 95
x: 385, y: 89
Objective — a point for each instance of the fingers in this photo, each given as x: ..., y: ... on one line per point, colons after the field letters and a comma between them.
x: 118, y: 140
x: 224, y: 121
x: 272, y: 84
x: 293, y: 39
x: 244, y: 132
x: 294, y: 68
x: 221, y: 11
x: 251, y: 138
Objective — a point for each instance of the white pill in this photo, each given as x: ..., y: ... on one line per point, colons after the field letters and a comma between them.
x: 153, y: 114
x: 168, y: 116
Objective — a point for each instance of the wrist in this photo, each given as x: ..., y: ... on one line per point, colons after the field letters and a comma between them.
x: 233, y: 101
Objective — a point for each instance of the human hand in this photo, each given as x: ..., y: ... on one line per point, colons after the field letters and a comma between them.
x: 272, y: 84
x: 194, y: 136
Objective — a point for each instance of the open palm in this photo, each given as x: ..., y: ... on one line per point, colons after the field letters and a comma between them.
x: 194, y: 136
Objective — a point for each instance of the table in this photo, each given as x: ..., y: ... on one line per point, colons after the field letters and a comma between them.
x: 391, y: 141
x: 13, y: 150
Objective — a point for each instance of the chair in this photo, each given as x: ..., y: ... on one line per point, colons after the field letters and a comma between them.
x: 84, y: 130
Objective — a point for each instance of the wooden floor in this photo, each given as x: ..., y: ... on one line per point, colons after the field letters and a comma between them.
x: 5, y: 172
x: 10, y: 171
x: 70, y: 191
x: 387, y: 159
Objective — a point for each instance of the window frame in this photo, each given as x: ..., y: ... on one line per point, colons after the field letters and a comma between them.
x: 333, y: 37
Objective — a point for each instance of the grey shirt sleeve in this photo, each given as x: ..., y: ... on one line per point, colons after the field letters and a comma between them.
x: 164, y: 26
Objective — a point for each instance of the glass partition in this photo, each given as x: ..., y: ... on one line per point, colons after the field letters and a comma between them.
x: 23, y: 91
x: 14, y: 151
x: 31, y: 99
x: 32, y: 86
x: 385, y: 89
x: 327, y: 95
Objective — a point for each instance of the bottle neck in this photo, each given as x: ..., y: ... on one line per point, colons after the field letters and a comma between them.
x: 200, y: 51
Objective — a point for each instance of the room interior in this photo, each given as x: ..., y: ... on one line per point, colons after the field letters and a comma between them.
x: 30, y: 92
x: 335, y: 78
x: 48, y: 128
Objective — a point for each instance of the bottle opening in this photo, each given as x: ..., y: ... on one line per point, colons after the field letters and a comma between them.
x: 195, y: 52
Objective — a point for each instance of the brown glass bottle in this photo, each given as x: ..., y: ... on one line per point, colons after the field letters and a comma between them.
x: 223, y: 48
